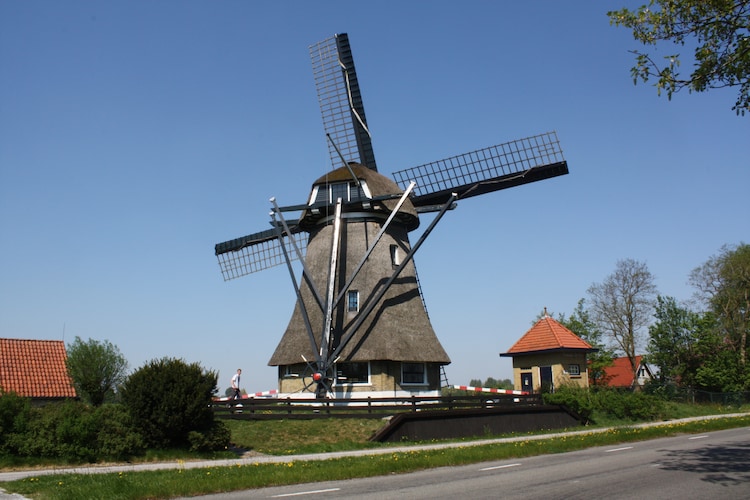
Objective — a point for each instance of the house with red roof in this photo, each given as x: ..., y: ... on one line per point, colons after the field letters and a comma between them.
x: 35, y: 369
x: 620, y: 373
x: 548, y: 356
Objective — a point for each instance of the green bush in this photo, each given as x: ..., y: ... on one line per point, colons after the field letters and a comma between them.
x: 216, y: 438
x: 63, y: 430
x: 619, y: 404
x: 576, y: 399
x: 168, y: 399
x: 117, y: 437
x: 14, y: 417
x: 70, y: 431
x: 628, y: 405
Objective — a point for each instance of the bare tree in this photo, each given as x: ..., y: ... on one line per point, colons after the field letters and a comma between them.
x: 622, y: 306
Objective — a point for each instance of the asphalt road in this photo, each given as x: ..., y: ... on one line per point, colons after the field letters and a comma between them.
x: 717, y: 463
x: 712, y: 465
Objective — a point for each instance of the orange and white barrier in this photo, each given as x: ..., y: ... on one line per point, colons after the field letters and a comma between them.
x: 489, y: 389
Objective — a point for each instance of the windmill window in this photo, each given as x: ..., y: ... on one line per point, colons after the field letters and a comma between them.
x: 293, y: 371
x: 347, y: 191
x: 353, y: 373
x: 574, y: 370
x: 353, y: 301
x: 395, y: 256
x: 413, y: 373
x: 339, y: 191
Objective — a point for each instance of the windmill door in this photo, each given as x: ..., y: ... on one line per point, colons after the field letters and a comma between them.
x: 527, y: 382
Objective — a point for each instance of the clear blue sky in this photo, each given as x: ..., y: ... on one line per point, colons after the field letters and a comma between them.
x: 136, y: 135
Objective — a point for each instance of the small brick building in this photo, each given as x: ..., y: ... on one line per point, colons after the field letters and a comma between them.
x: 548, y: 356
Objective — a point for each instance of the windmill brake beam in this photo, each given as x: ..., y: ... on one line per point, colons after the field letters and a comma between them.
x: 302, y: 308
x: 335, y: 240
x: 306, y: 274
x: 377, y: 298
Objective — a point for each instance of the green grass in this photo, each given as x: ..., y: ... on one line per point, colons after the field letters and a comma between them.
x: 201, y: 481
x: 293, y: 437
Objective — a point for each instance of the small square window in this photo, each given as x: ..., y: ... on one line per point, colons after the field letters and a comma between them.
x: 413, y: 373
x: 574, y: 370
x: 353, y: 302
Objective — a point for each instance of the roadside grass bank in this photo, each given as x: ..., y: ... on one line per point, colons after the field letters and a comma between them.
x: 186, y: 481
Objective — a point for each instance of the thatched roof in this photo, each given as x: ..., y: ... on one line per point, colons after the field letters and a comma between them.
x: 378, y: 184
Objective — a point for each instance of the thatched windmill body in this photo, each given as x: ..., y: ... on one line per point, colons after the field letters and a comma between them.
x: 359, y: 325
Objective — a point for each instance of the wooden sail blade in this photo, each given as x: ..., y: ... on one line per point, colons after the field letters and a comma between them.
x: 340, y: 102
x: 486, y: 170
x: 255, y: 252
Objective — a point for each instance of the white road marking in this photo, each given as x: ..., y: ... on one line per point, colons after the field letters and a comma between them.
x: 619, y: 449
x: 698, y: 437
x: 499, y: 467
x: 311, y: 492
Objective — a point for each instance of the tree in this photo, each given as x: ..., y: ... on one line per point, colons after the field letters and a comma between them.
x: 581, y: 324
x: 621, y: 306
x: 97, y: 369
x: 170, y: 401
x: 720, y: 30
x: 723, y: 286
x: 673, y: 342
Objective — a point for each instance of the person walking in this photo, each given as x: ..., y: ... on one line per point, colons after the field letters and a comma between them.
x: 236, y: 384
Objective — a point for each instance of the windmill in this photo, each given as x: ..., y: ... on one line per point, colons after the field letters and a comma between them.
x: 359, y: 320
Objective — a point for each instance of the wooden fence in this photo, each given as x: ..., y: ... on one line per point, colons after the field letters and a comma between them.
x: 305, y: 408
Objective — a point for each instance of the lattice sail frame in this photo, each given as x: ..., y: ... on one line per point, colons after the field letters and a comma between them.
x: 482, y: 171
x: 257, y: 255
x: 504, y: 164
x: 340, y: 102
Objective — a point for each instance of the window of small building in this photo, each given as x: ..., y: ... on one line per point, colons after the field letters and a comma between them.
x: 414, y: 373
x: 574, y: 370
x: 353, y: 373
x: 353, y: 301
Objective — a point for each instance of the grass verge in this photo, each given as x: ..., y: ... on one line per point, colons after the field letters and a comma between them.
x: 201, y: 481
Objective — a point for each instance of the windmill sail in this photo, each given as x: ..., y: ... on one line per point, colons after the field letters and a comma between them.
x: 483, y: 171
x: 341, y: 102
x: 255, y: 252
x: 486, y: 170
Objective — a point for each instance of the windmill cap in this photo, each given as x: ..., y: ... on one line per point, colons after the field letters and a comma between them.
x: 377, y: 185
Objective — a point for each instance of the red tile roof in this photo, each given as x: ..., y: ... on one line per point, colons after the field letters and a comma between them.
x: 620, y: 373
x: 548, y: 335
x: 35, y: 368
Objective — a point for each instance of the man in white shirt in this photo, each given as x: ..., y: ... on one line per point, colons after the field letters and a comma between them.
x: 236, y: 384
